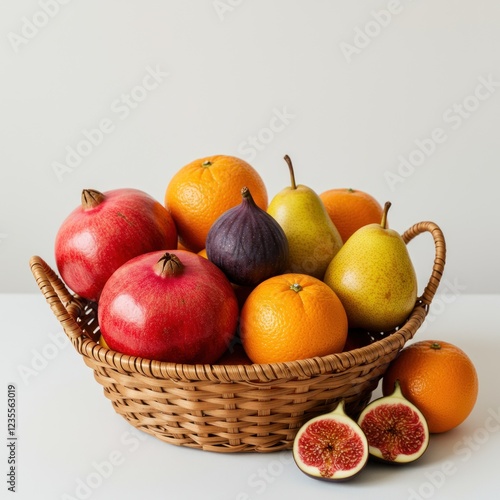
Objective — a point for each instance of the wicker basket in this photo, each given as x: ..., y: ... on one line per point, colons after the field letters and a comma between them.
x: 232, y: 408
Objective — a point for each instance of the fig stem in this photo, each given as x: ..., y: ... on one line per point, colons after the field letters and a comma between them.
x: 247, y: 195
x: 169, y: 265
x: 292, y: 174
x: 91, y: 198
x: 340, y: 408
x: 383, y: 223
x: 398, y: 392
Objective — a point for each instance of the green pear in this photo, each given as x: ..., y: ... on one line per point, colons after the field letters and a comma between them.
x: 313, y: 239
x: 374, y: 278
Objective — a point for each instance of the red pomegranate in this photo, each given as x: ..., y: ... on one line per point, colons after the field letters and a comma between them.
x: 106, y: 231
x: 169, y: 306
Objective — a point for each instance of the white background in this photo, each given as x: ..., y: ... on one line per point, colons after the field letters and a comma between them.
x: 354, y: 105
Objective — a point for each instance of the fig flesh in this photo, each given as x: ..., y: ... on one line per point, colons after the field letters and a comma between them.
x: 331, y: 447
x: 247, y: 244
x: 396, y: 429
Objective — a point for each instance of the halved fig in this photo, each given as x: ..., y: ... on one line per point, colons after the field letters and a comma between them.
x: 396, y: 429
x: 331, y: 446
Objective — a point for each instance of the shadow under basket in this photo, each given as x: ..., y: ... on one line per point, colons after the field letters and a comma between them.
x: 233, y: 408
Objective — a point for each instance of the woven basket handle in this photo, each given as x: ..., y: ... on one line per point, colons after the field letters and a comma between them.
x: 64, y: 305
x: 439, y: 259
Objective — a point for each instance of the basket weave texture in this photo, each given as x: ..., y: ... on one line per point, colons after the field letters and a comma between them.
x: 233, y: 408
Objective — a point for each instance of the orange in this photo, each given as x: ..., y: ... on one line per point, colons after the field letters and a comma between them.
x: 290, y: 317
x: 438, y: 378
x: 204, y: 189
x: 351, y: 209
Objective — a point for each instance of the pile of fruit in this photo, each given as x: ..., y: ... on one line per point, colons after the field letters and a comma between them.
x: 220, y: 274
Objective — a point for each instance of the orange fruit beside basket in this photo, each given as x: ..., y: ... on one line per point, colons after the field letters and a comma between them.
x: 291, y: 317
x: 351, y: 209
x: 204, y: 189
x: 438, y: 378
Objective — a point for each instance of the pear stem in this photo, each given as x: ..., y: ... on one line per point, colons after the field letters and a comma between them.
x: 292, y: 175
x: 384, y: 215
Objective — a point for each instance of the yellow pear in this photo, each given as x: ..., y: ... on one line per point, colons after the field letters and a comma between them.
x: 313, y: 239
x: 374, y: 278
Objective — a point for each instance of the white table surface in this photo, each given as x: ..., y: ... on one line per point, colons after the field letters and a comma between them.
x: 68, y: 433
